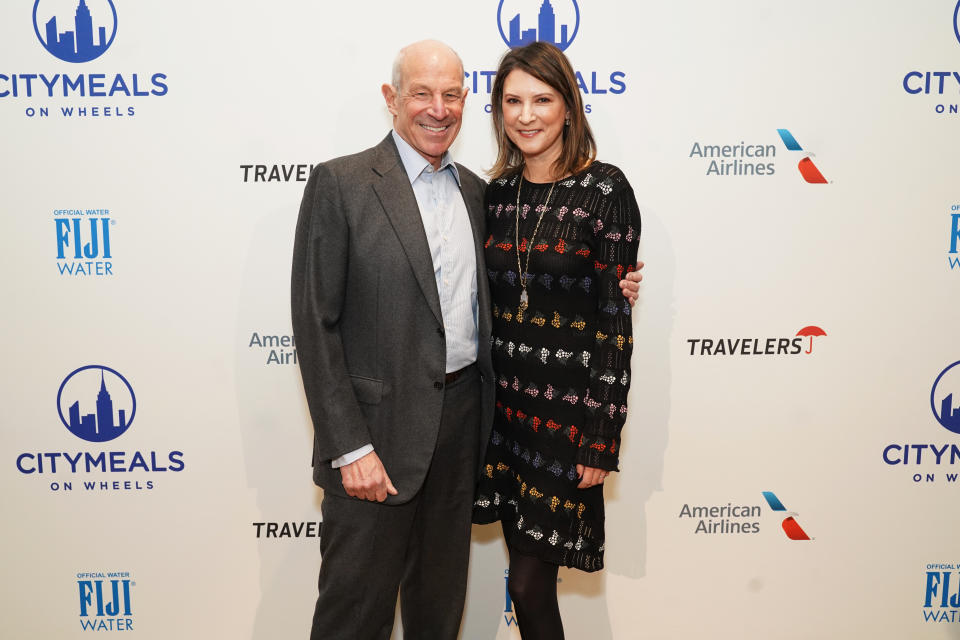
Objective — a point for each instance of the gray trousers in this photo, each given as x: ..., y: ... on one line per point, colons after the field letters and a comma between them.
x: 421, y: 548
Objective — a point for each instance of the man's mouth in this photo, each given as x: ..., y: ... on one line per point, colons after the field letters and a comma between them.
x: 435, y: 129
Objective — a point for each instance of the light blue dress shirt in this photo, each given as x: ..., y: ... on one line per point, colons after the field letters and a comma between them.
x: 452, y: 250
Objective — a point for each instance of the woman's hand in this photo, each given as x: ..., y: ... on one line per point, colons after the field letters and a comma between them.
x: 631, y: 284
x: 590, y: 476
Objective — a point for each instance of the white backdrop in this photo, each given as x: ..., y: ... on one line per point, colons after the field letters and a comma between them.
x: 194, y: 312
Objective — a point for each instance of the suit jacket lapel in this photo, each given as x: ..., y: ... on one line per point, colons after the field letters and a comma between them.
x: 473, y: 198
x: 398, y: 202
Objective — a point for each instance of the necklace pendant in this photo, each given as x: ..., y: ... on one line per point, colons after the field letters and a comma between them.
x: 524, y: 298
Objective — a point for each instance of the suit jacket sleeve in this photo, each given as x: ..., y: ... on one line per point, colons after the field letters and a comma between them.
x: 318, y: 287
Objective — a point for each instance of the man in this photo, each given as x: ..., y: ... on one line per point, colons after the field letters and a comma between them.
x: 393, y: 332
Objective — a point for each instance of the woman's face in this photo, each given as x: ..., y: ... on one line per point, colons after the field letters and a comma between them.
x: 533, y: 116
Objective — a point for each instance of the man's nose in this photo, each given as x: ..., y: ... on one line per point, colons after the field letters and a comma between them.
x: 438, y: 108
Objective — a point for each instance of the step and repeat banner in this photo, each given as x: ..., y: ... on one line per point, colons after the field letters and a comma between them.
x: 791, y: 458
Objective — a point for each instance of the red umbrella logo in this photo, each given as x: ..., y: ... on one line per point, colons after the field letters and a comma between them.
x: 811, y: 331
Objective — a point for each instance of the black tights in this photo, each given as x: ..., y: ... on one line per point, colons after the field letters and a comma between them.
x: 533, y: 590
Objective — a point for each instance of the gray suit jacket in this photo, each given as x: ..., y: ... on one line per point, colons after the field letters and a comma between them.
x: 367, y: 321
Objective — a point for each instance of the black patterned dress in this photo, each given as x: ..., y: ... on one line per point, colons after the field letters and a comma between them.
x: 563, y: 363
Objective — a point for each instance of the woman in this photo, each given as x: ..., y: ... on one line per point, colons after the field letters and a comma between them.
x: 562, y: 229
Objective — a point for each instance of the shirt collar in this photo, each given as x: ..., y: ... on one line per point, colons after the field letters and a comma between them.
x: 414, y: 163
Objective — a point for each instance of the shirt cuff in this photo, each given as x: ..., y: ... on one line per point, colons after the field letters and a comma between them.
x: 353, y: 456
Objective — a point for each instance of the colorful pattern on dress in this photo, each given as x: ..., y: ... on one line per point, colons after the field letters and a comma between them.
x: 562, y: 363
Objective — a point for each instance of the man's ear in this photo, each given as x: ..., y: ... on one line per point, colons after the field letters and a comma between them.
x: 390, y: 96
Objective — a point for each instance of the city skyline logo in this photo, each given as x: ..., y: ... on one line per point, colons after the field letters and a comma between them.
x: 94, y: 29
x: 790, y: 525
x: 946, y: 407
x: 522, y: 22
x: 96, y: 403
x: 808, y: 170
x: 956, y: 22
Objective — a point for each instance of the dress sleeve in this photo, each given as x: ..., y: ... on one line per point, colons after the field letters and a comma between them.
x: 616, y: 227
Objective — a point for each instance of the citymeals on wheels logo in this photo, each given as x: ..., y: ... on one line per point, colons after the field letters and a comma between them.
x: 105, y: 602
x: 77, y: 32
x: 96, y: 404
x: 938, y: 82
x: 89, y: 39
x: 923, y: 458
x: 522, y: 22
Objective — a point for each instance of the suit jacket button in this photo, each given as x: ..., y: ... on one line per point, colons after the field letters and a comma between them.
x: 438, y: 385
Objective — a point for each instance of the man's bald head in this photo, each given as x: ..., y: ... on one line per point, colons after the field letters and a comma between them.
x: 419, y: 53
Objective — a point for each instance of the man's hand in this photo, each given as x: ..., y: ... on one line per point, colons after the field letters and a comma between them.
x: 590, y: 476
x: 367, y: 479
x: 631, y: 284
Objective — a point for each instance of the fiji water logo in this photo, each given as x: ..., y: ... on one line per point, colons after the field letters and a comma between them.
x: 952, y: 259
x: 522, y: 22
x: 96, y: 403
x: 105, y: 603
x: 945, y: 407
x: 94, y: 28
x: 83, y: 242
x: 807, y: 168
x: 941, y: 597
x: 790, y: 525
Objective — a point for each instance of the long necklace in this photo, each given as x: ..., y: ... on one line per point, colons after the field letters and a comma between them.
x: 524, y: 296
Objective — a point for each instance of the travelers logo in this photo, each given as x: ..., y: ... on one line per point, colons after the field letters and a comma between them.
x: 811, y: 332
x: 789, y: 524
x: 93, y: 32
x: 945, y: 407
x: 521, y: 24
x: 105, y: 394
x: 105, y: 601
x: 747, y: 346
x: 806, y: 166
